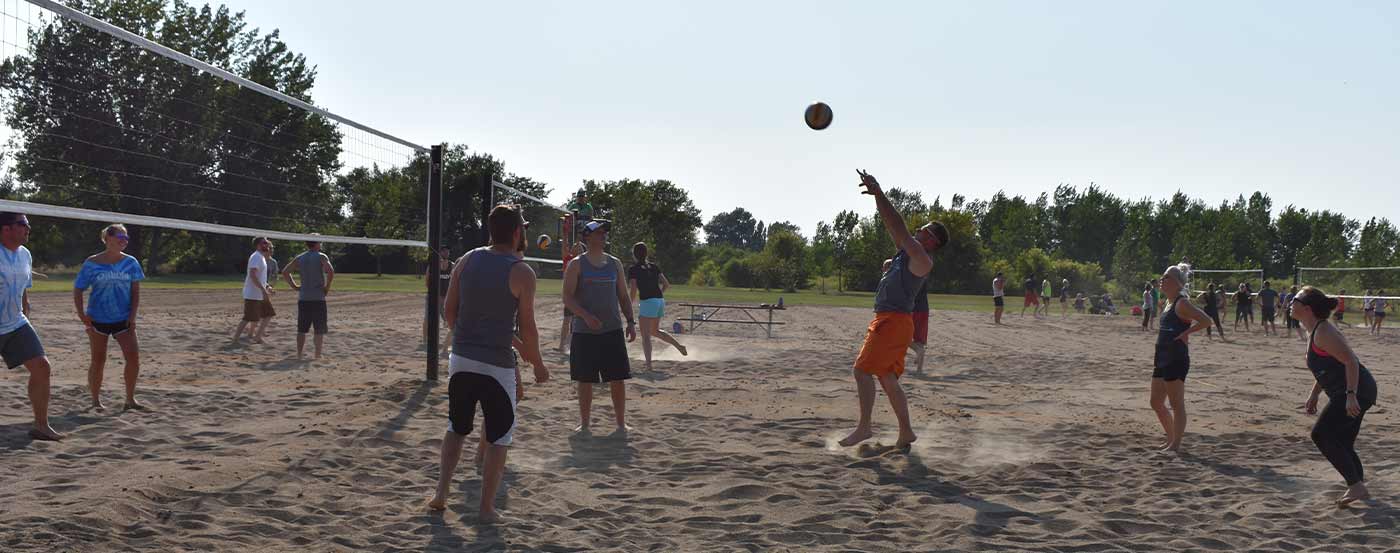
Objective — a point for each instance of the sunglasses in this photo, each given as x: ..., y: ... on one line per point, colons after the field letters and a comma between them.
x: 121, y: 237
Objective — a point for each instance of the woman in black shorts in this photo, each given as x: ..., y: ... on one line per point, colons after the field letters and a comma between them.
x: 1172, y: 357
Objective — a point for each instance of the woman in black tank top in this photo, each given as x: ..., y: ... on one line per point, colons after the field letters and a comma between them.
x: 1351, y: 390
x: 1172, y: 357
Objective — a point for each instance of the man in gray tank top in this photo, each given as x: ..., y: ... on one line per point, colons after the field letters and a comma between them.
x: 595, y: 290
x: 889, y: 335
x: 491, y: 292
x: 316, y: 276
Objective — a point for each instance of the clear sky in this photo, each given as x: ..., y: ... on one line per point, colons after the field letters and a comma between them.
x: 1215, y: 99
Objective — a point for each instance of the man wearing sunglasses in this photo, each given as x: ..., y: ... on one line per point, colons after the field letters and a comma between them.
x: 19, y: 344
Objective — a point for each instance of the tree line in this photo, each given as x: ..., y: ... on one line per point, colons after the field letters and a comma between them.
x: 97, y: 123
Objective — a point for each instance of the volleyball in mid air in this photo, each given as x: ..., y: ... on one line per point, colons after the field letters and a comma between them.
x: 818, y: 116
x: 543, y: 241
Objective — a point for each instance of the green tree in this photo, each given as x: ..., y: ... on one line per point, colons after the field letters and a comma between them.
x: 658, y: 213
x: 734, y: 228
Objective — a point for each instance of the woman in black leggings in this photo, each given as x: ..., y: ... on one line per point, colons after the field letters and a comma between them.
x: 1351, y: 390
x: 1212, y: 308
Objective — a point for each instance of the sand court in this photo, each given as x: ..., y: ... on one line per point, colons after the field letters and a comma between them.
x: 1033, y: 437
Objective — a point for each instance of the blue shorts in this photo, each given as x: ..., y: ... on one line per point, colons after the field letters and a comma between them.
x: 654, y: 308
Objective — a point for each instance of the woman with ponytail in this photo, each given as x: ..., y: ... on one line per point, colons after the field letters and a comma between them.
x: 1350, y: 388
x: 645, y: 279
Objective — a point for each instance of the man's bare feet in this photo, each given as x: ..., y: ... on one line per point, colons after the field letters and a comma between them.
x: 436, y: 504
x: 488, y: 517
x: 622, y: 430
x: 98, y: 406
x: 45, y: 434
x: 1171, y: 447
x: 904, y: 440
x: 132, y: 405
x: 858, y: 436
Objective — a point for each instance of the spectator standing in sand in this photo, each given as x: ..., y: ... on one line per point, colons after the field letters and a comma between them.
x: 115, y: 280
x: 255, y: 290
x: 19, y: 344
x: 317, y: 273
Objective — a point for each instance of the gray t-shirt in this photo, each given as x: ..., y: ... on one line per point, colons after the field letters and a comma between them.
x: 313, y: 276
x: 597, y: 291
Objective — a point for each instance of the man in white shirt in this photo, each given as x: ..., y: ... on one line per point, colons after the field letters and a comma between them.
x: 255, y: 290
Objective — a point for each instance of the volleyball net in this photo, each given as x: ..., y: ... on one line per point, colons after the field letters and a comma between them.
x: 1359, y: 285
x: 198, y: 135
x: 546, y: 220
x: 1201, y: 279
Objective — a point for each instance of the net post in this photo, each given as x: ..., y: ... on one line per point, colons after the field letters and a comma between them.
x: 434, y: 267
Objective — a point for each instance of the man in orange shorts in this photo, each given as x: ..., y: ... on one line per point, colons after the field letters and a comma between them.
x: 889, y: 335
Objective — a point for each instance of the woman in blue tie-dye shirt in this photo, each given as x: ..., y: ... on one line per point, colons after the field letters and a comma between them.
x: 114, y: 278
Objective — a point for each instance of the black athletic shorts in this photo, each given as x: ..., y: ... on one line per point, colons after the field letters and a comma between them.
x: 311, y: 313
x: 1171, y: 361
x: 110, y: 329
x: 599, y: 357
x: 999, y: 301
x: 20, y: 345
x: 1267, y: 315
x: 472, y: 383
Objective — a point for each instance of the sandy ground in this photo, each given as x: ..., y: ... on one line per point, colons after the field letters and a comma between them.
x: 1033, y: 437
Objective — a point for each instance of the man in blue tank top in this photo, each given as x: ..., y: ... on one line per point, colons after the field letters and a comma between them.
x: 491, y: 292
x: 595, y: 290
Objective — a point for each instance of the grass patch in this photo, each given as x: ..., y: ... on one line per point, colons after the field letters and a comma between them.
x: 413, y: 284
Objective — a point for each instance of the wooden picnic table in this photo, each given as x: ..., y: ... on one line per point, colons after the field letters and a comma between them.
x: 707, y: 313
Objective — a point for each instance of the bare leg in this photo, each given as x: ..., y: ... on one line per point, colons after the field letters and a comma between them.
x: 865, y: 394
x: 38, y: 368
x: 900, y: 404
x: 585, y: 404
x: 451, y: 453
x: 301, y: 344
x: 665, y: 336
x: 131, y: 354
x: 1176, y: 393
x: 495, y: 468
x: 619, y: 401
x: 997, y: 316
x: 564, y: 333
x: 97, y: 342
x: 1158, y: 401
x: 919, y: 356
x: 646, y: 343
x: 262, y: 329
x: 319, y: 339
x: 238, y: 332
